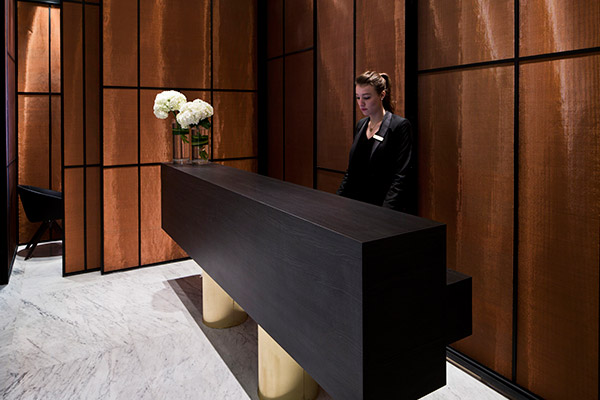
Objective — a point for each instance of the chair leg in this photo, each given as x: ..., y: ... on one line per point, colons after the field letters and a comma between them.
x: 56, y: 226
x: 36, y: 238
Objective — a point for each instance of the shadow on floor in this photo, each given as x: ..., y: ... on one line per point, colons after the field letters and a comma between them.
x: 237, y: 346
x: 44, y: 250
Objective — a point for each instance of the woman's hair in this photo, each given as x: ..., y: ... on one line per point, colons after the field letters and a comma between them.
x: 380, y: 81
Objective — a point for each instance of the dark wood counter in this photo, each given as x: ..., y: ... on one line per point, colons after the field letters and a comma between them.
x: 354, y: 292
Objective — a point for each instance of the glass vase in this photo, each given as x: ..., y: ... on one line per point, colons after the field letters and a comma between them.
x: 181, y: 144
x: 199, y: 147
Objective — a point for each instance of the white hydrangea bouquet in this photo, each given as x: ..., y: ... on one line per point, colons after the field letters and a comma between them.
x: 188, y: 114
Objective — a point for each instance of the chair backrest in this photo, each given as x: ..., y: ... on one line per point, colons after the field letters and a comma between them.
x: 41, y: 204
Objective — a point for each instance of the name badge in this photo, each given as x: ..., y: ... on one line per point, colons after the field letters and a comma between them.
x: 377, y: 137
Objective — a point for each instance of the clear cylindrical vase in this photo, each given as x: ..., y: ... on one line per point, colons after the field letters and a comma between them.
x: 199, y: 147
x: 181, y: 144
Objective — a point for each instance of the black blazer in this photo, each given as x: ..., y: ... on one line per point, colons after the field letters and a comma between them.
x: 389, y: 170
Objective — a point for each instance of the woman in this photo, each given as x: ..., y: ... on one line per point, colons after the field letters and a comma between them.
x: 380, y: 157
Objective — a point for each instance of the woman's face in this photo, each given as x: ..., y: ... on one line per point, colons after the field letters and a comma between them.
x: 368, y: 100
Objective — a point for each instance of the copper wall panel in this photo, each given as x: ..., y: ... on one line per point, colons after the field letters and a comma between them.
x: 156, y: 140
x: 156, y: 245
x: 380, y: 44
x: 559, y: 208
x: 74, y: 242
x: 34, y: 146
x: 73, y: 86
x: 558, y: 25
x: 10, y: 26
x: 12, y: 112
x: 298, y: 25
x: 235, y: 125
x: 275, y: 118
x: 121, y: 230
x: 466, y: 181
x: 175, y: 44
x: 247, y: 165
x: 274, y: 28
x: 234, y: 44
x: 93, y: 222
x: 120, y: 126
x: 463, y: 32
x: 56, y: 151
x: 328, y: 181
x: 92, y: 84
x: 55, y: 49
x: 335, y: 86
x: 120, y: 42
x: 33, y: 37
x: 299, y: 118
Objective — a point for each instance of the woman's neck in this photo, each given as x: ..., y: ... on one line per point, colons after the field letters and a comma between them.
x: 377, y: 117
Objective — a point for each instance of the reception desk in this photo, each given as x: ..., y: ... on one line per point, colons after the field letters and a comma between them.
x: 355, y: 293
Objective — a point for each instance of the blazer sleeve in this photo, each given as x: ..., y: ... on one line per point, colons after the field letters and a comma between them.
x: 342, y: 190
x: 398, y: 195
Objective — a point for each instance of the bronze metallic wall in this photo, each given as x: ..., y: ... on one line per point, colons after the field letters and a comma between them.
x: 314, y: 51
x: 509, y: 159
x: 9, y: 147
x: 205, y: 49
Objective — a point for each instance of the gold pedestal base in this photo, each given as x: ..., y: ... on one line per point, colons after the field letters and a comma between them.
x: 218, y: 308
x: 279, y: 376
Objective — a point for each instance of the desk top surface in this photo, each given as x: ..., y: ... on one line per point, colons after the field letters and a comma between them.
x: 354, y: 219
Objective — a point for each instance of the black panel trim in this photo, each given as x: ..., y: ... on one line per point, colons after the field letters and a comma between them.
x: 291, y: 53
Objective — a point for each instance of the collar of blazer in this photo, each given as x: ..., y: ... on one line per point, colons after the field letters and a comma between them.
x: 383, y: 130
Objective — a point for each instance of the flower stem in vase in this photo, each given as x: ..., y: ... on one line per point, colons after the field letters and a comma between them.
x: 199, y: 142
x: 181, y: 147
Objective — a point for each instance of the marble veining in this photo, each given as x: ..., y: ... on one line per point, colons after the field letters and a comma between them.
x: 132, y: 335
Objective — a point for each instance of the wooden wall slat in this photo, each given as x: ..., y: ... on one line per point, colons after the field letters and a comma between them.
x: 234, y: 125
x: 120, y: 223
x: 73, y: 86
x: 93, y: 223
x: 558, y: 25
x: 559, y: 241
x: 328, y: 181
x: 234, y: 44
x: 55, y: 49
x: 246, y: 165
x: 463, y: 32
x: 335, y: 91
x: 74, y: 245
x: 275, y: 118
x: 466, y: 181
x: 298, y: 25
x: 33, y: 47
x: 93, y: 141
x: 120, y: 126
x: 380, y: 44
x: 298, y: 146
x: 175, y: 44
x: 119, y: 42
x: 56, y: 149
x: 274, y: 28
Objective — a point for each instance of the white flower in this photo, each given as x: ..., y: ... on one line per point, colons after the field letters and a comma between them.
x: 168, y: 101
x: 192, y: 113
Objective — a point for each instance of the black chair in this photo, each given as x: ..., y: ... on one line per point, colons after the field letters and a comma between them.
x: 41, y: 205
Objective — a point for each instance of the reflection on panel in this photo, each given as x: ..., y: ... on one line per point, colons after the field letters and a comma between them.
x: 558, y: 25
x: 34, y: 140
x: 92, y: 84
x: 156, y: 140
x: 559, y: 208
x: 120, y: 222
x: 10, y: 26
x: 463, y: 32
x: 298, y: 25
x: 275, y: 118
x: 55, y: 49
x: 119, y: 42
x: 377, y: 49
x: 329, y: 181
x: 157, y: 246
x: 93, y: 213
x: 299, y: 118
x: 247, y: 165
x: 335, y: 86
x: 74, y: 241
x: 13, y: 230
x: 73, y: 87
x: 274, y: 28
x: 33, y: 37
x: 175, y: 43
x: 120, y: 126
x: 234, y: 125
x: 234, y: 44
x: 466, y: 181
x: 12, y: 112
x: 56, y: 146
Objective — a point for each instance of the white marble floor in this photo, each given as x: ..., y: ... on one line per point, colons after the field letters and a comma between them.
x: 131, y: 335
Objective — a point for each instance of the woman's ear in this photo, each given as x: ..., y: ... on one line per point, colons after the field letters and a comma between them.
x: 383, y: 93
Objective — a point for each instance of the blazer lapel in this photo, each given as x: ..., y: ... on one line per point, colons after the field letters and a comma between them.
x: 385, y: 124
x: 359, y: 131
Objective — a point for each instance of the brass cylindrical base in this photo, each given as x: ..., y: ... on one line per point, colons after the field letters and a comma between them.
x: 280, y: 377
x: 218, y: 308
